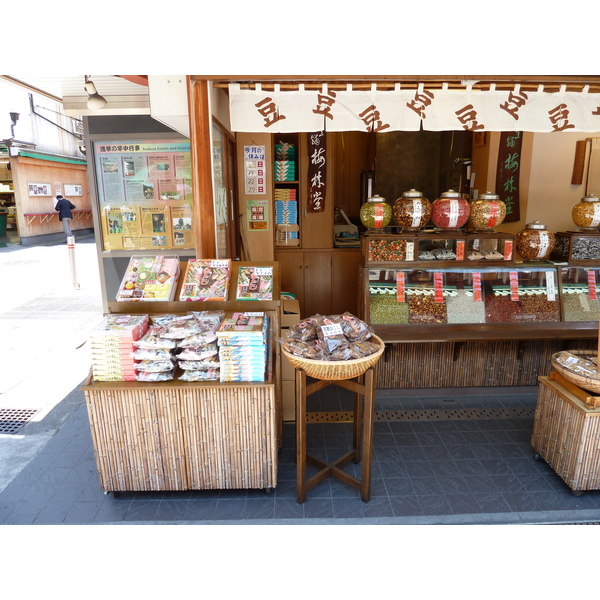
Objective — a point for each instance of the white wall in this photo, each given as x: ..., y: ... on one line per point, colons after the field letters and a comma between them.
x: 551, y: 196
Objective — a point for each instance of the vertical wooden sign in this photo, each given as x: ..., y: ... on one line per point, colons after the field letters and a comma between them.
x: 316, y: 172
x: 508, y: 172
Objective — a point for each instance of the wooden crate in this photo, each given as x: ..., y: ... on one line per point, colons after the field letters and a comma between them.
x: 566, y: 434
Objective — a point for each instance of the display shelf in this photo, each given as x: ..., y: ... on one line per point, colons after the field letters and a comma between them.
x: 577, y: 248
x: 578, y: 287
x: 433, y: 247
x: 523, y: 302
x: 47, y: 216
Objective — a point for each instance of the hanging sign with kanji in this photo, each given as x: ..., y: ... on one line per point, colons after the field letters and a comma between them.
x: 316, y: 172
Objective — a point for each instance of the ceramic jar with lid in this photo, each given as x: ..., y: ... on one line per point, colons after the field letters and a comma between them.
x: 586, y: 213
x: 412, y: 210
x: 450, y: 211
x: 487, y: 212
x: 535, y: 242
x: 375, y: 213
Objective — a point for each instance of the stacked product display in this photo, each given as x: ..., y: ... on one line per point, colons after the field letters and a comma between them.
x: 112, y: 345
x: 242, y: 340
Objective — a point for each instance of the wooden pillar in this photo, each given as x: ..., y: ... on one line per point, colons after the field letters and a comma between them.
x: 201, y: 150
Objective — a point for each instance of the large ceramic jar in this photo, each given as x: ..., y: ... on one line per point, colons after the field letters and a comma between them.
x: 450, y: 211
x: 586, y: 213
x: 375, y: 213
x: 487, y: 212
x: 412, y: 210
x: 535, y: 242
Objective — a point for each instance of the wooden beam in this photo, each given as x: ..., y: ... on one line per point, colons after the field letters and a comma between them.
x: 203, y: 210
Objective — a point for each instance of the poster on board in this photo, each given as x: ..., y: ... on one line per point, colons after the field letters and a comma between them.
x: 145, y: 194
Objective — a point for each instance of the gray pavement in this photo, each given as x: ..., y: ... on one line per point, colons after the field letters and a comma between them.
x: 50, y: 300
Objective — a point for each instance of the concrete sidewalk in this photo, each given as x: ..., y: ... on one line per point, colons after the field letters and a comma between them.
x: 47, y: 309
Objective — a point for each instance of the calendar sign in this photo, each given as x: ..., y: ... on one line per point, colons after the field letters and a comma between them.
x: 255, y: 176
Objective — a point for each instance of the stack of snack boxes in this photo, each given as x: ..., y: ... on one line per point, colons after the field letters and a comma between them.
x: 112, y: 346
x: 242, y: 340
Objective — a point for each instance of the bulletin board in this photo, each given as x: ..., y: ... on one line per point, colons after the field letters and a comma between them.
x: 145, y: 194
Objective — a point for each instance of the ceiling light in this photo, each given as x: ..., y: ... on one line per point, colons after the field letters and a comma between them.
x: 95, y: 100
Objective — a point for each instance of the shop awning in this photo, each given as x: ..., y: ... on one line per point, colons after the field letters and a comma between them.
x: 275, y: 108
x: 53, y: 157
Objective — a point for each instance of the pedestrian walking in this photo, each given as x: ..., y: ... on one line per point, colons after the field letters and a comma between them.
x: 64, y: 208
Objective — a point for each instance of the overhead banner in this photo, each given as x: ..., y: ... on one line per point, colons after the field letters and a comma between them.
x: 397, y: 109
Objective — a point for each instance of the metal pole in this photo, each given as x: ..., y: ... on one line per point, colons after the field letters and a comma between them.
x: 71, y: 246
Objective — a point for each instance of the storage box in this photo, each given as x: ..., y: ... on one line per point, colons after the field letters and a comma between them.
x: 566, y: 434
x: 288, y: 400
x: 290, y: 313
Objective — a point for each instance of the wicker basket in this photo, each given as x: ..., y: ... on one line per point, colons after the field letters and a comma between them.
x: 589, y: 383
x: 331, y: 370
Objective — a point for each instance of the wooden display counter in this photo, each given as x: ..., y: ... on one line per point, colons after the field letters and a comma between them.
x: 566, y: 434
x: 178, y: 435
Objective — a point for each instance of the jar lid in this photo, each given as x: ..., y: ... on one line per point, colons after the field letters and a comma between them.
x: 535, y: 225
x: 412, y: 193
x: 488, y: 196
x: 590, y: 198
x: 451, y: 194
x: 376, y: 198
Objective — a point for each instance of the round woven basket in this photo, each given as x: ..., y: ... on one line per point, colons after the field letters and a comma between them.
x: 330, y: 370
x: 592, y: 384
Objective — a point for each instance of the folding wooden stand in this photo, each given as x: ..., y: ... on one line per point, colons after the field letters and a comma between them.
x: 364, y: 387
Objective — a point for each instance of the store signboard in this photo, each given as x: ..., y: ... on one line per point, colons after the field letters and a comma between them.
x: 277, y: 110
x: 145, y: 194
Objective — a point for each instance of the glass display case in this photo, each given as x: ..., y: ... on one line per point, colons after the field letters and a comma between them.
x: 579, y: 293
x: 401, y: 296
x: 434, y: 247
x: 577, y: 248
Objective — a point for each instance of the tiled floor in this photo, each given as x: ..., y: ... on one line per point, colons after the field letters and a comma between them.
x: 426, y: 470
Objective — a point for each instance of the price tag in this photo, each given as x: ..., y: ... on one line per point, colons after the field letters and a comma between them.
x: 219, y: 264
x: 596, y: 217
x: 378, y: 214
x: 460, y: 249
x: 477, y: 293
x: 438, y: 286
x: 454, y: 214
x: 514, y: 286
x: 592, y: 284
x: 544, y: 244
x: 550, y: 286
x: 508, y: 249
x: 401, y: 286
x: 417, y: 213
x: 410, y: 251
x: 331, y: 330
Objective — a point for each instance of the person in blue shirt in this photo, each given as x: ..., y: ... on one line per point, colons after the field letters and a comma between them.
x: 64, y: 208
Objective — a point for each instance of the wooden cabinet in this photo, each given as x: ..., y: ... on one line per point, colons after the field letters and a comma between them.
x: 324, y: 281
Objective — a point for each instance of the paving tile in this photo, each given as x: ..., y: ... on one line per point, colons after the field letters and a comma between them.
x: 230, y: 509
x: 318, y: 508
x: 287, y: 508
x: 259, y: 508
x: 82, y: 513
x: 348, y: 508
x: 171, y: 510
x: 404, y: 506
x: 461, y: 504
x: 199, y: 509
x: 141, y: 510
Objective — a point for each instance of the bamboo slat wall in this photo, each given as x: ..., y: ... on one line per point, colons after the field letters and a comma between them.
x: 468, y: 364
x: 179, y: 438
x: 567, y: 436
